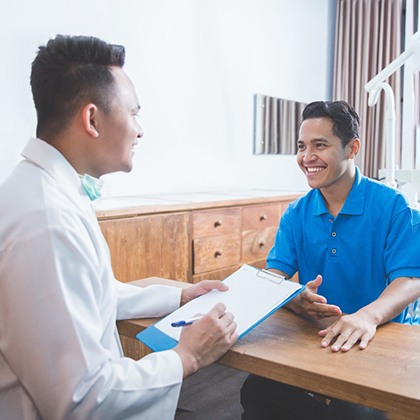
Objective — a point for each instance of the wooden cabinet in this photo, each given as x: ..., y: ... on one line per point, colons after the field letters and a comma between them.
x: 189, y: 240
x: 150, y: 245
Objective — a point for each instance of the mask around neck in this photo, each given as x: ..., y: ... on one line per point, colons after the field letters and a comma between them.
x: 92, y: 186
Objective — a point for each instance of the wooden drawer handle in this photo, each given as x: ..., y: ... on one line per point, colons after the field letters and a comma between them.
x: 218, y: 223
x: 217, y: 254
x: 263, y: 218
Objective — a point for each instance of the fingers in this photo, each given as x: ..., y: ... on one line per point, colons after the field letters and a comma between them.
x: 218, y: 310
x: 344, y: 342
x: 207, y: 339
x: 319, y: 311
x: 212, y: 284
x: 314, y: 305
x: 226, y: 319
x: 314, y: 284
x: 201, y: 288
x: 311, y: 297
x: 345, y: 333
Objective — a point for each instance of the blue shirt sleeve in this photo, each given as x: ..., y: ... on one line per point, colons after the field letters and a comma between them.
x: 283, y: 255
x: 402, y: 249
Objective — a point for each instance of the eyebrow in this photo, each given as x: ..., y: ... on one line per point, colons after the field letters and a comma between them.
x: 315, y: 140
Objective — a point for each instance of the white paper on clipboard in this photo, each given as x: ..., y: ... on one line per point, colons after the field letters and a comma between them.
x: 253, y: 295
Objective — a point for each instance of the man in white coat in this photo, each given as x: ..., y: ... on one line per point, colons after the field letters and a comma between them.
x: 60, y: 354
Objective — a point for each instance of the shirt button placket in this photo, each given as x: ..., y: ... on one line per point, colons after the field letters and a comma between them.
x: 333, y: 235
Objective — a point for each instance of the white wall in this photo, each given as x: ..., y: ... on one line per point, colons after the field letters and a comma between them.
x: 196, y: 65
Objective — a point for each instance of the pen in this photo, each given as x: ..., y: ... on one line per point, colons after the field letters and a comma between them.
x: 184, y: 322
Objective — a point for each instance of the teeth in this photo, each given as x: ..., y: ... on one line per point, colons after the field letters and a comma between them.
x: 314, y: 169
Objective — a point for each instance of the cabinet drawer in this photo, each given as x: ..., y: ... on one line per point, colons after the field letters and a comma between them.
x: 256, y: 244
x: 259, y: 217
x: 213, y: 253
x: 216, y: 222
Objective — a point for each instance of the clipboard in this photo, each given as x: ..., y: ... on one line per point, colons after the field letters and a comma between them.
x: 253, y: 295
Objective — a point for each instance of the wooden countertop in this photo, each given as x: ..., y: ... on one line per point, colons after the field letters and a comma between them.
x: 129, y: 206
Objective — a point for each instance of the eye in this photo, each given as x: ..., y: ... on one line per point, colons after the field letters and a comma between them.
x: 320, y: 145
x: 301, y: 146
x: 135, y: 111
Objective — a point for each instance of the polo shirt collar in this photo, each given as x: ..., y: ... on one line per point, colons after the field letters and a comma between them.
x: 354, y: 203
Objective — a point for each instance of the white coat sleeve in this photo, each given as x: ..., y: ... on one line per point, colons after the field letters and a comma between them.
x: 57, y: 318
x: 147, y: 302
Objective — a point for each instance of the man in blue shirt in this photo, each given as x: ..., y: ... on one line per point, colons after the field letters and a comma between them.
x: 351, y: 239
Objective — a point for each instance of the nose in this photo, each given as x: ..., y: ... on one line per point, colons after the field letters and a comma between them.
x: 308, y: 155
x: 140, y: 131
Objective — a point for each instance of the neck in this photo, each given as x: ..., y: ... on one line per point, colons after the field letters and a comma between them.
x: 336, y: 194
x: 73, y: 148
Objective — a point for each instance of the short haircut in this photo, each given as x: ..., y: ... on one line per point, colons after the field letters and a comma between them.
x: 69, y: 71
x: 345, y: 120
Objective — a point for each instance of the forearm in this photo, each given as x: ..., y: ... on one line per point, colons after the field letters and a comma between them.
x: 393, y: 300
x: 147, y: 302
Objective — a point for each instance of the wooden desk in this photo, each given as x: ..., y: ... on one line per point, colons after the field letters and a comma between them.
x: 287, y: 348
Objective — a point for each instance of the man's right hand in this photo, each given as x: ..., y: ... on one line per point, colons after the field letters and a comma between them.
x: 309, y: 303
x: 207, y: 339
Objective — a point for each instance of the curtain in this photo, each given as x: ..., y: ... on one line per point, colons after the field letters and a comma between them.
x: 368, y: 37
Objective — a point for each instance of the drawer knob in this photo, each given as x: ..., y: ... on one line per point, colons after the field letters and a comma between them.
x: 217, y: 254
x: 261, y: 244
x: 218, y: 223
x: 263, y: 218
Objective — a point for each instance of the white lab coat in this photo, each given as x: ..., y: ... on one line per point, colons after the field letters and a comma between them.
x: 60, y: 354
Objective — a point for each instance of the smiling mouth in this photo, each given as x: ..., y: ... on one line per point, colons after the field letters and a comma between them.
x: 133, y: 147
x: 314, y: 170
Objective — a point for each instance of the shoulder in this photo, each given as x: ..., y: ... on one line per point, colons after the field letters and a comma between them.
x: 301, y: 208
x: 384, y: 196
x: 301, y: 204
x: 304, y: 200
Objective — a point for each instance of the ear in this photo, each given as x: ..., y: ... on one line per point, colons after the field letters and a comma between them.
x: 354, y: 147
x: 90, y: 124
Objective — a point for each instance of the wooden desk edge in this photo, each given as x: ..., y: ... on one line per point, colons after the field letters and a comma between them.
x: 397, y: 408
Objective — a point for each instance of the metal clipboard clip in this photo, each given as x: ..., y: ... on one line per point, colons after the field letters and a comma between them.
x: 269, y: 275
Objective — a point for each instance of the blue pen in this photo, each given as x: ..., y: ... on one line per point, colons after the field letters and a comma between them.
x: 185, y: 322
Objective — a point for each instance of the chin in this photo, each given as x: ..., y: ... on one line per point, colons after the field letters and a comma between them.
x: 129, y: 167
x: 313, y: 183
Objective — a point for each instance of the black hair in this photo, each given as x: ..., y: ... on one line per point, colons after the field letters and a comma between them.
x: 345, y: 120
x: 68, y: 71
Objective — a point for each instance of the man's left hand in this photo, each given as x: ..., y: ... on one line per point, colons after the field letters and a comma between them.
x: 348, y: 330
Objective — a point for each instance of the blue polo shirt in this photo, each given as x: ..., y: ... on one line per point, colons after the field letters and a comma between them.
x: 370, y: 243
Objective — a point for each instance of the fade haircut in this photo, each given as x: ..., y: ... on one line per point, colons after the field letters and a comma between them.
x: 345, y: 120
x: 70, y: 71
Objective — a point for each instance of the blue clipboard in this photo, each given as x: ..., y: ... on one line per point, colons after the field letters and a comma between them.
x: 253, y: 296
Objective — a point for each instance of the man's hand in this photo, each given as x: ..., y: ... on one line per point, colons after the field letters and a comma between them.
x: 201, y: 289
x: 207, y: 339
x: 310, y: 304
x: 361, y: 325
x: 348, y: 330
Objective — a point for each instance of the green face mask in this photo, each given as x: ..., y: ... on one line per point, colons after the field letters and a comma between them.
x: 92, y: 186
